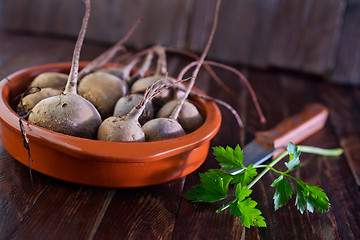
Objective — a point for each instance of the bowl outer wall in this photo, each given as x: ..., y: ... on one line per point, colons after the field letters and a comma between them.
x: 64, y: 156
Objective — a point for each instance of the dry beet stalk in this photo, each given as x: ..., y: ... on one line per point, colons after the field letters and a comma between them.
x: 247, y: 84
x: 240, y: 75
x: 208, y: 68
x: 126, y: 103
x: 143, y: 68
x: 165, y: 128
x: 106, y: 56
x: 218, y: 101
x: 175, y: 114
x: 141, y: 84
x: 68, y: 112
x: 122, y: 72
x: 74, y: 71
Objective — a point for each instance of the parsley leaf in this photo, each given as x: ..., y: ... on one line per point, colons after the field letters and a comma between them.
x: 242, y: 192
x: 283, y: 192
x: 311, y: 197
x: 214, y: 187
x: 294, y: 154
x: 245, y: 176
x: 229, y: 158
x: 245, y: 208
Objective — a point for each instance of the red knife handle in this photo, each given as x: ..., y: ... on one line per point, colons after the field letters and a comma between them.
x: 295, y: 128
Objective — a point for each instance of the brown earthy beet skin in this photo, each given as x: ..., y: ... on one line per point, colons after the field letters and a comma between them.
x: 54, y: 80
x: 189, y: 117
x: 30, y: 100
x: 161, y: 129
x: 126, y: 103
x: 115, y: 129
x: 69, y: 114
x: 103, y: 90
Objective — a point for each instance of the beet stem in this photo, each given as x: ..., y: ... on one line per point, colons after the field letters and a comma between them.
x: 149, y: 94
x: 128, y: 67
x: 218, y: 101
x: 144, y: 67
x: 161, y: 68
x: 109, y: 54
x: 247, y: 84
x: 240, y: 75
x: 73, y: 76
x: 177, y: 110
x: 206, y: 66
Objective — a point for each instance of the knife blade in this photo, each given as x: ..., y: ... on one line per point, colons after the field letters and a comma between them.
x: 295, y: 129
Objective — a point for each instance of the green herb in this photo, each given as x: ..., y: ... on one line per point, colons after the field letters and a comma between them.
x: 215, y: 184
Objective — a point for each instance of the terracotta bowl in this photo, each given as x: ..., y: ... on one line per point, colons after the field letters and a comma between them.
x: 98, y: 163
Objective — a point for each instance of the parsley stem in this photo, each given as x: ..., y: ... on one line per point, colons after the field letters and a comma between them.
x: 225, y: 206
x: 260, y: 166
x: 278, y: 172
x: 305, y: 149
x: 289, y: 176
x: 268, y: 168
x: 321, y: 151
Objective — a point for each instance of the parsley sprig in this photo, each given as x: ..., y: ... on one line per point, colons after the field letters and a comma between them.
x: 216, y: 184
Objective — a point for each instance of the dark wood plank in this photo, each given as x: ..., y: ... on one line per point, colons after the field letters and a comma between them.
x: 305, y: 35
x: 344, y: 102
x: 52, y: 17
x: 22, y: 51
x: 142, y: 213
x: 351, y: 146
x: 67, y: 210
x: 299, y: 35
x: 347, y: 68
x: 247, y: 27
x: 14, y: 188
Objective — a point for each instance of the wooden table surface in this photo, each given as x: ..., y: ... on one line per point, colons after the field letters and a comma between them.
x: 52, y: 209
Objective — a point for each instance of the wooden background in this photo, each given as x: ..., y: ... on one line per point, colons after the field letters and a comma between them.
x: 57, y: 210
x: 319, y: 37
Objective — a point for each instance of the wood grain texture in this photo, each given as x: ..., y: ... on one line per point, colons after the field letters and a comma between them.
x: 347, y: 68
x: 318, y: 37
x: 52, y: 209
x: 305, y: 34
x: 351, y: 146
x: 29, y: 206
x: 142, y: 213
x: 244, y: 32
x: 346, y: 104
